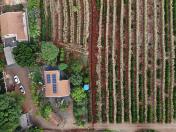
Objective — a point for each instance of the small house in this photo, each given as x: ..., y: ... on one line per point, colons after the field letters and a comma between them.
x: 54, y: 85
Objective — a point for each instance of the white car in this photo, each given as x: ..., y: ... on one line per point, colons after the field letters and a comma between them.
x: 17, y: 80
x: 22, y: 90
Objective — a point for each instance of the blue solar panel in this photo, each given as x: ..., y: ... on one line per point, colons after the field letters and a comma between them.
x: 53, y: 78
x: 48, y: 78
x: 54, y: 88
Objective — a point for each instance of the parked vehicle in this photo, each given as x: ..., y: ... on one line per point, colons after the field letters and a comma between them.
x: 22, y: 89
x: 17, y: 80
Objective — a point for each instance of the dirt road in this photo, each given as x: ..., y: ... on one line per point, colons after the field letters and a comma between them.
x: 135, y: 127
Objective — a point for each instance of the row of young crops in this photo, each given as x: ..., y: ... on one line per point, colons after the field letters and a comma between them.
x: 132, y: 54
x: 68, y: 22
x: 135, y: 68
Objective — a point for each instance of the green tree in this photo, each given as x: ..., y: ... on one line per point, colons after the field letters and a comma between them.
x: 2, y: 63
x: 10, y: 111
x: 76, y: 66
x: 34, y: 129
x: 46, y: 110
x: 49, y: 52
x: 25, y: 54
x: 76, y: 79
x: 63, y: 66
x: 1, y: 48
x: 78, y: 95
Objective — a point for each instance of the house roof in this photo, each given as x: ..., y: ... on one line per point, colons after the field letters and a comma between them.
x: 13, y: 2
x: 9, y: 56
x: 14, y: 23
x: 54, y: 87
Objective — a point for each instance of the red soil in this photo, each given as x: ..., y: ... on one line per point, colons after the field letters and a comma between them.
x: 92, y: 54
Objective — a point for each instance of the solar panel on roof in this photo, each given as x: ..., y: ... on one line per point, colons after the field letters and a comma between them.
x: 54, y: 88
x: 53, y: 78
x: 48, y: 78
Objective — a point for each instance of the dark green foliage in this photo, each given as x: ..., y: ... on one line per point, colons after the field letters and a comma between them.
x: 12, y: 8
x: 141, y: 91
x: 62, y: 55
x: 141, y: 99
x: 63, y: 66
x: 110, y: 86
x: 76, y: 79
x: 166, y: 7
x: 36, y: 76
x: 167, y: 76
x: 33, y: 7
x: 141, y: 114
x: 98, y: 4
x: 125, y: 1
x: 126, y: 97
x: 174, y: 102
x: 133, y: 95
x: 167, y: 110
x: 80, y: 113
x: 119, y: 104
x: 1, y: 48
x: 78, y: 94
x: 76, y: 66
x: 49, y: 24
x: 49, y: 52
x: 149, y: 114
x: 45, y: 110
x: 10, y: 111
x: 159, y: 106
x: 174, y: 16
x: 2, y: 64
x: 149, y: 77
x: 43, y: 21
x: 35, y: 129
x: 2, y: 85
x: 25, y: 54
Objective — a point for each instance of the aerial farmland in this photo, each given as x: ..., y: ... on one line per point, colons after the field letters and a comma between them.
x: 88, y: 65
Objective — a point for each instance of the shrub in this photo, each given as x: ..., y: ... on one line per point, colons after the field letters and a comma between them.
x: 49, y: 52
x: 46, y: 110
x: 62, y: 54
x: 2, y: 64
x: 63, y: 66
x: 76, y: 66
x: 76, y: 79
x: 12, y: 8
x: 25, y: 54
x: 78, y: 95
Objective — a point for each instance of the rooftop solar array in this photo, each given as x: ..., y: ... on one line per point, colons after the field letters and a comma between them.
x: 54, y: 78
x: 54, y: 88
x: 54, y: 83
x: 48, y: 78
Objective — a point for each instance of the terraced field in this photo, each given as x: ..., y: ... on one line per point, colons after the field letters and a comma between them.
x: 131, y: 49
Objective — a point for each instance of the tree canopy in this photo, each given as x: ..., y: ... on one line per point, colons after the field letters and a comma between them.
x: 76, y: 79
x: 76, y: 66
x: 10, y: 111
x: 63, y: 66
x: 49, y: 52
x: 25, y: 54
x: 78, y: 95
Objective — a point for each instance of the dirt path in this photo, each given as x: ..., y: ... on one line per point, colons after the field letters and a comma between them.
x: 134, y: 127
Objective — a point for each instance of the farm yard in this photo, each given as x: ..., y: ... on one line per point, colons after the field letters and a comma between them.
x: 131, y: 49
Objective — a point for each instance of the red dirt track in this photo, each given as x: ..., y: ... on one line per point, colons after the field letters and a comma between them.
x: 92, y: 54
